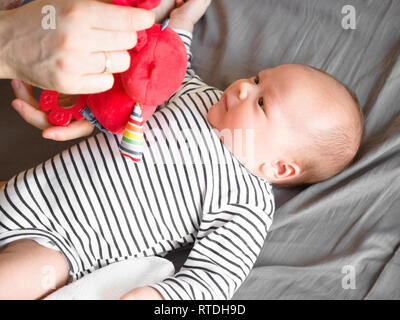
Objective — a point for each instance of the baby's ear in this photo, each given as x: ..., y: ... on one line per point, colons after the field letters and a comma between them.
x: 280, y: 171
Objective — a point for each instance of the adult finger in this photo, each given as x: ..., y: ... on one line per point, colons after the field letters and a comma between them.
x: 94, y: 83
x: 120, y: 62
x: 31, y: 114
x: 106, y: 40
x: 112, y: 17
x: 74, y: 130
x: 24, y: 92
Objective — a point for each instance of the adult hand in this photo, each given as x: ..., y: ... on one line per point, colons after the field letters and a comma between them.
x: 28, y: 108
x: 70, y: 58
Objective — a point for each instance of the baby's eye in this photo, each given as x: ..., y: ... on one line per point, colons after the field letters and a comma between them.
x: 261, y: 102
x: 256, y: 80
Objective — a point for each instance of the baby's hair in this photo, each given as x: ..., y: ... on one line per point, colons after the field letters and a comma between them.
x: 350, y: 92
x: 336, y: 147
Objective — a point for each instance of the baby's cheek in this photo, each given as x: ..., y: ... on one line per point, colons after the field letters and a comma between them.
x: 236, y: 119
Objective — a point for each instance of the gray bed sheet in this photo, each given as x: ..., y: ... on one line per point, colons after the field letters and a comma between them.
x: 348, y: 226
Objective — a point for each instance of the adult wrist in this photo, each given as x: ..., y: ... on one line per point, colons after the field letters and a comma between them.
x: 6, y: 71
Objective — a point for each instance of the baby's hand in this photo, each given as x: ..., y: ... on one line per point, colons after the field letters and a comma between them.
x: 191, y: 10
x: 143, y: 293
x: 163, y: 10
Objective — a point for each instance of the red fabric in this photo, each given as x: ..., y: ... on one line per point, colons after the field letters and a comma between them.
x: 157, y: 70
x: 141, y: 40
x: 112, y: 108
x: 143, y: 4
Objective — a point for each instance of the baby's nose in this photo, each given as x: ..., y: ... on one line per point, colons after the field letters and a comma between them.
x: 242, y: 92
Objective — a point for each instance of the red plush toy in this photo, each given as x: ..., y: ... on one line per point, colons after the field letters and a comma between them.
x: 158, y: 66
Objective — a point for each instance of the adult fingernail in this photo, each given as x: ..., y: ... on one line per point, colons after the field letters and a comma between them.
x: 17, y: 106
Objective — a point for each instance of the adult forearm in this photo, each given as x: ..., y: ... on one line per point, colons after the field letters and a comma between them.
x: 6, y: 71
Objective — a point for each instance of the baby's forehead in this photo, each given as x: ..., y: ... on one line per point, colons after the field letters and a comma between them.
x: 296, y: 79
x: 301, y: 89
x: 288, y: 77
x: 288, y: 81
x: 296, y: 72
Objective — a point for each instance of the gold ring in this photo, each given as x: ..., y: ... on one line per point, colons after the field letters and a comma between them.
x: 108, y: 62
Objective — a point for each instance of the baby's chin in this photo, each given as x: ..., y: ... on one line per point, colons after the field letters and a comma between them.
x: 210, y: 117
x: 215, y: 116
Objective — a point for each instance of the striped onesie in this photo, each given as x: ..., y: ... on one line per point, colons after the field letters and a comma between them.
x: 98, y: 207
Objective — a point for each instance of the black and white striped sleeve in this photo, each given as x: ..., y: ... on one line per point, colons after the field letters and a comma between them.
x: 191, y: 80
x: 226, y: 248
x: 186, y: 37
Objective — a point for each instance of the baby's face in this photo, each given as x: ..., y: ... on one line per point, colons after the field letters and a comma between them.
x: 276, y: 107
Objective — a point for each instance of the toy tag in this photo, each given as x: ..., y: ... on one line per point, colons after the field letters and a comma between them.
x: 132, y: 143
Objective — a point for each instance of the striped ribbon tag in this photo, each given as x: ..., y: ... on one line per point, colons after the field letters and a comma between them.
x: 132, y: 143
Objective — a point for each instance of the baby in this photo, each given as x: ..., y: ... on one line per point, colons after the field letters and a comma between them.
x: 205, y: 179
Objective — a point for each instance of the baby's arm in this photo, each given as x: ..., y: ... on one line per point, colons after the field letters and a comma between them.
x: 227, y: 245
x: 187, y: 13
x: 182, y: 20
x: 226, y: 248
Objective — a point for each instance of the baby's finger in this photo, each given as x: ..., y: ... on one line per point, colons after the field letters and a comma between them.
x: 74, y: 130
x: 24, y: 92
x: 30, y: 114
